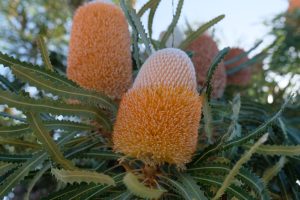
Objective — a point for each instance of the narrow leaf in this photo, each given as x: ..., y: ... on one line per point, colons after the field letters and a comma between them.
x: 274, y: 170
x: 200, y: 31
x: 79, y: 176
x: 136, y: 187
x: 48, y: 143
x: 44, y: 52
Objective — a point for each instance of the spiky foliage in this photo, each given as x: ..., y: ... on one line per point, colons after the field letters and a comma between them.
x: 204, y: 49
x: 70, y: 146
x: 99, y: 54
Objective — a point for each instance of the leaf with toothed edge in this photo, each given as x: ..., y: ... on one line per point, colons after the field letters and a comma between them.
x: 54, y: 107
x: 137, y: 188
x: 277, y: 150
x: 79, y: 176
x: 44, y: 52
x: 173, y: 24
x: 48, y: 144
x: 200, y: 31
x: 55, y: 83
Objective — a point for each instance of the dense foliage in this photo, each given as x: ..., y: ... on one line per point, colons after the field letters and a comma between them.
x: 60, y: 140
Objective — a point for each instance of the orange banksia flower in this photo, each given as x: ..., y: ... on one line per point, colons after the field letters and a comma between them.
x: 205, y: 49
x: 99, y: 53
x: 293, y: 5
x: 242, y: 77
x: 159, y: 116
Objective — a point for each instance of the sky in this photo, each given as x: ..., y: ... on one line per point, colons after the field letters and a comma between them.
x: 242, y: 26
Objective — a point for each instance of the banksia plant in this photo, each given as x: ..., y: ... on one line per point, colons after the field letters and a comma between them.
x: 166, y: 81
x: 236, y: 58
x: 99, y: 52
x: 204, y: 50
x: 148, y: 146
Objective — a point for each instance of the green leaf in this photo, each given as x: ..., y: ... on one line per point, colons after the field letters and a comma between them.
x: 200, y: 31
x: 44, y: 52
x: 151, y: 18
x: 212, y: 69
x: 137, y: 188
x: 207, y: 119
x: 18, y: 142
x: 14, y: 131
x: 103, y: 155
x: 271, y: 172
x: 244, y: 175
x: 15, y: 157
x: 172, y: 25
x: 244, y: 158
x: 192, y: 189
x: 5, y: 167
x: 140, y: 29
x: 79, y: 176
x: 23, y: 129
x: 278, y: 150
x: 47, y: 142
x: 217, y: 182
x: 55, y: 83
x: 146, y: 6
x: 240, y: 140
x: 54, y: 107
x: 21, y: 172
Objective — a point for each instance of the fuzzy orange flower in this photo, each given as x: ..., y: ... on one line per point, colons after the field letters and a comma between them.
x: 158, y: 118
x: 99, y: 53
x: 293, y: 5
x: 205, y: 49
x: 242, y: 77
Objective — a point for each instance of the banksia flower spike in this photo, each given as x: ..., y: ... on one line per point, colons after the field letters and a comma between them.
x: 242, y: 77
x: 205, y: 49
x: 293, y: 5
x: 99, y: 53
x: 158, y: 118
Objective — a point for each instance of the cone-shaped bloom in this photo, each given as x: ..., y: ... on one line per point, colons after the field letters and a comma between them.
x: 158, y: 117
x: 242, y: 77
x: 204, y: 50
x: 293, y: 5
x: 99, y: 53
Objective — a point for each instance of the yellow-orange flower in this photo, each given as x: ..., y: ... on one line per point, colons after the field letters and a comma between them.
x: 99, y: 53
x: 158, y: 118
x: 293, y: 5
x: 242, y: 77
x: 205, y: 49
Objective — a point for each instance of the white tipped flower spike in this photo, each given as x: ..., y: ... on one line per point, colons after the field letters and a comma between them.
x: 169, y: 67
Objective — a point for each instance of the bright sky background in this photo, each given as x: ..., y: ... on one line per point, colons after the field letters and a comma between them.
x: 242, y: 26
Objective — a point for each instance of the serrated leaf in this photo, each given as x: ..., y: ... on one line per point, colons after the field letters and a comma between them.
x: 55, y: 83
x: 244, y: 175
x: 279, y: 150
x: 18, y: 142
x: 23, y: 129
x: 21, y: 172
x: 47, y: 142
x: 140, y: 29
x: 137, y: 188
x: 207, y: 117
x: 274, y: 170
x: 173, y: 24
x: 200, y: 31
x: 244, y: 158
x: 79, y: 176
x: 53, y: 107
x: 44, y: 52
x: 103, y: 155
x: 232, y: 189
x: 6, y: 166
x: 240, y: 140
x: 213, y: 67
x: 146, y: 6
x: 15, y: 157
x: 191, y: 186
